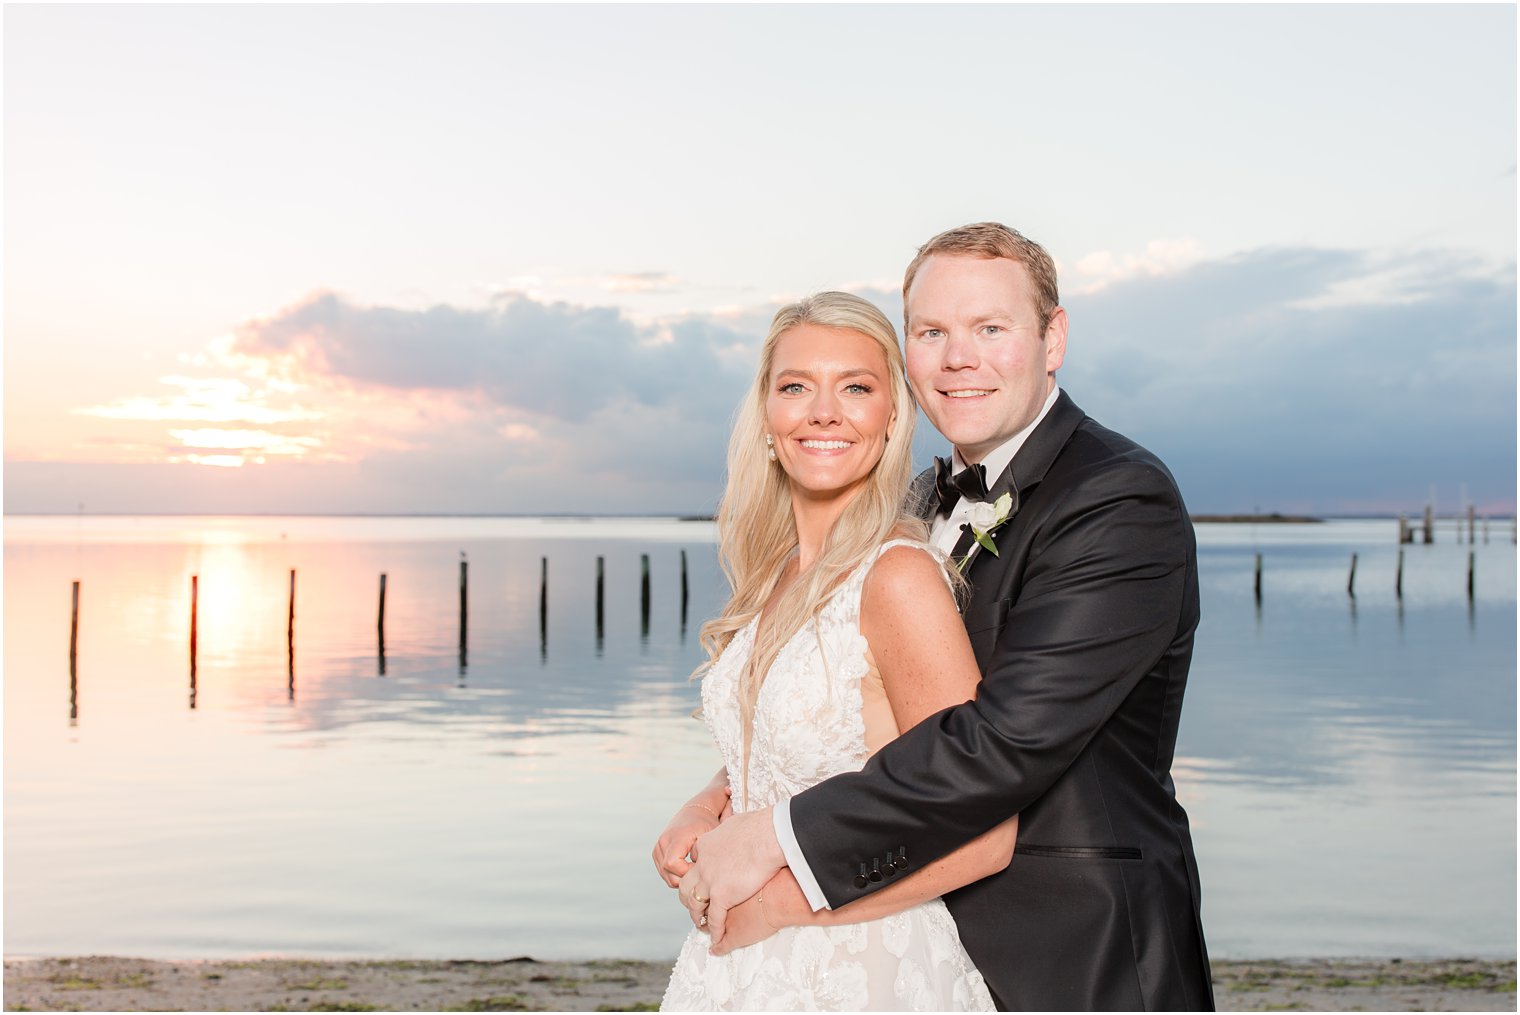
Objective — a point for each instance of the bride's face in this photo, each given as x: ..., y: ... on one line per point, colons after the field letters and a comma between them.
x: 829, y: 408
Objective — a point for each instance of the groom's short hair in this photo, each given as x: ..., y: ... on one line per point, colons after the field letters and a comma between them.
x: 993, y: 239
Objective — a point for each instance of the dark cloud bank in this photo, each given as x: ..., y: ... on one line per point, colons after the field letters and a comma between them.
x: 1256, y: 399
x: 1277, y: 379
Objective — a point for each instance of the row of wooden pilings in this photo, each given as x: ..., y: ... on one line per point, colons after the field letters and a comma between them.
x: 1398, y: 577
x: 464, y: 616
x: 1427, y: 528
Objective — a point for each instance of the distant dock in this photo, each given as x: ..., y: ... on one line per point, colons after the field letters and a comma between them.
x: 1272, y: 519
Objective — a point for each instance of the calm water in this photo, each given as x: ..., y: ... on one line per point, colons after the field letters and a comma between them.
x: 1350, y: 770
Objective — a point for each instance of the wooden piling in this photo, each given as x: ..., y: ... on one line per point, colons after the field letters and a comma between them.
x: 380, y: 624
x: 1472, y: 525
x: 1430, y: 524
x: 74, y: 631
x: 543, y: 607
x: 290, y: 621
x: 685, y: 593
x: 601, y: 574
x: 195, y: 594
x: 74, y: 657
x: 195, y: 601
x: 1258, y: 577
x: 290, y: 641
x: 644, y: 594
x: 1351, y: 579
x: 1398, y: 578
x: 464, y: 606
x: 1471, y: 562
x: 1406, y: 535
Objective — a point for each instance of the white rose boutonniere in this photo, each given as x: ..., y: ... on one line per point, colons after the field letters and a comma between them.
x: 984, y: 521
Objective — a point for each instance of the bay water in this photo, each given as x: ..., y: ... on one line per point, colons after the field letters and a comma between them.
x: 1348, y: 762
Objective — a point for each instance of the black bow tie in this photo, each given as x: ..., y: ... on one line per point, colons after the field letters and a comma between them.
x: 970, y: 482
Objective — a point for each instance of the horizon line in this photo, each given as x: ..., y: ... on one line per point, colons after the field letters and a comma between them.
x: 1296, y: 516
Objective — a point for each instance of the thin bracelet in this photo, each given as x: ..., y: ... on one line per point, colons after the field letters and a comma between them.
x: 760, y: 905
x: 708, y: 809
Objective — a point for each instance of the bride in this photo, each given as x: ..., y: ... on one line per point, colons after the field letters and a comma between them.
x: 842, y: 631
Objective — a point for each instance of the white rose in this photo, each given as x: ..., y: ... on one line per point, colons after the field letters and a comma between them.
x: 983, y: 516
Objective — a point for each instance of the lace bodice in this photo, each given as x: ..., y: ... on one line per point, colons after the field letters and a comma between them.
x: 808, y: 718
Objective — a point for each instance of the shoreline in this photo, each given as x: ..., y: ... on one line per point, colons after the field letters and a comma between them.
x: 104, y: 983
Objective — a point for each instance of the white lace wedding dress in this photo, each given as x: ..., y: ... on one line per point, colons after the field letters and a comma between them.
x: 809, y: 725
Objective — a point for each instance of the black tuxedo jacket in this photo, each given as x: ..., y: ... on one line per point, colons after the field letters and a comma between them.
x: 1082, y: 624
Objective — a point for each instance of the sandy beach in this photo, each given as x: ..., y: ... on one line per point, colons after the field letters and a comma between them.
x: 525, y: 984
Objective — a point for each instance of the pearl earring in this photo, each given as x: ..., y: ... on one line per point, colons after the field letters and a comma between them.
x: 770, y: 447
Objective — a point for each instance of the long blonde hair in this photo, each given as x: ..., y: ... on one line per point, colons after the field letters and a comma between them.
x: 757, y: 532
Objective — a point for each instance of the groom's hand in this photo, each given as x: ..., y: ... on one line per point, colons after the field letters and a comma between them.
x: 733, y: 862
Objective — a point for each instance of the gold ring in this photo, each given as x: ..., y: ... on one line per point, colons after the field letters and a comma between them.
x: 698, y: 898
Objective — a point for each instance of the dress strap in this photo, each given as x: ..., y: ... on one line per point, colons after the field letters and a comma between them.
x: 933, y: 551
x: 928, y: 548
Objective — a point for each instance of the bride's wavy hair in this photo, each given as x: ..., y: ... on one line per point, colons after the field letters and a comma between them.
x: 757, y: 533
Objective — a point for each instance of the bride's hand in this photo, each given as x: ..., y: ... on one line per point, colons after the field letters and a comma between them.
x: 675, y: 843
x: 754, y: 920
x: 748, y: 923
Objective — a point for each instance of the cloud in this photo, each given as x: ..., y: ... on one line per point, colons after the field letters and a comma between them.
x: 1287, y: 378
x: 1260, y: 383
x: 548, y: 359
x: 493, y: 406
x: 550, y: 285
x: 1096, y: 271
x: 641, y: 282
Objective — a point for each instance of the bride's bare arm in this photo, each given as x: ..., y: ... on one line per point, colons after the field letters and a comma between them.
x: 697, y: 816
x: 916, y: 636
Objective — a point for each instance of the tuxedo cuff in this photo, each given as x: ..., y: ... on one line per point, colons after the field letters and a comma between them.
x: 781, y: 819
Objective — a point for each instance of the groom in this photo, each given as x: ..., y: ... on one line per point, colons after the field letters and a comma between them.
x: 1082, y: 622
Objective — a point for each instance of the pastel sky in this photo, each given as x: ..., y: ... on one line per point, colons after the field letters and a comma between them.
x: 519, y: 259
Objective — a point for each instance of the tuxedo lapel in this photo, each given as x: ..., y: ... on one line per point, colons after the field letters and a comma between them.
x: 964, y: 544
x: 1026, y: 469
x: 1018, y: 479
x: 1040, y: 450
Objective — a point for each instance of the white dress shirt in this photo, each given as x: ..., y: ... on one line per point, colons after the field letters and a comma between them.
x: 944, y: 533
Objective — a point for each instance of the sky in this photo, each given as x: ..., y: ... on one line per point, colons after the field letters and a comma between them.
x: 520, y: 259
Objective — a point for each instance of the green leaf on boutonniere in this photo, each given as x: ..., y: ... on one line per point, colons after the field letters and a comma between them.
x: 986, y: 541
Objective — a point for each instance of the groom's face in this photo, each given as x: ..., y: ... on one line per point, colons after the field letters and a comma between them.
x: 979, y: 362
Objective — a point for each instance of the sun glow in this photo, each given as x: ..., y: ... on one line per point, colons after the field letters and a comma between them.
x: 247, y: 405
x: 251, y: 445
x: 205, y: 400
x: 245, y: 440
